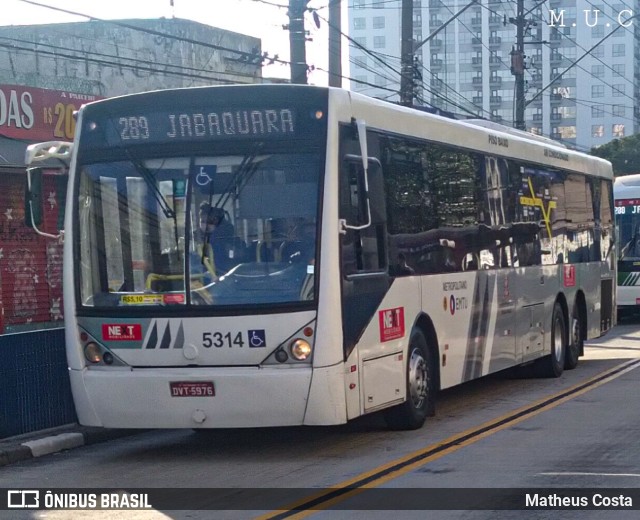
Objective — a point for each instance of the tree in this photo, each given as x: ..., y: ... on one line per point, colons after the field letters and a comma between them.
x: 623, y: 153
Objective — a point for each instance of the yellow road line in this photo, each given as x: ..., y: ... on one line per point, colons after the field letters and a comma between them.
x: 408, y: 463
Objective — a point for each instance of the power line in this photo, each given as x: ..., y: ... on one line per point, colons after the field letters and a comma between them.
x: 115, y: 65
x: 581, y: 47
x: 371, y: 53
x: 572, y: 65
x: 244, y: 54
x: 85, y: 53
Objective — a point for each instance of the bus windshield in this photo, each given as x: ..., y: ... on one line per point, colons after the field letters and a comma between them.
x: 628, y: 231
x: 207, y: 230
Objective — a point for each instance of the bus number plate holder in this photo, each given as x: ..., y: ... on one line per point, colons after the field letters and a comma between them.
x: 192, y: 389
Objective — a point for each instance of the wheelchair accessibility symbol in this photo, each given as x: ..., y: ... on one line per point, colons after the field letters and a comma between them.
x: 205, y: 175
x: 257, y: 338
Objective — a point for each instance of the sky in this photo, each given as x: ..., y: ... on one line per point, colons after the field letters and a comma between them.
x: 263, y: 19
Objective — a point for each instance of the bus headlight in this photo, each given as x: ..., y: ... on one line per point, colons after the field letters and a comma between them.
x: 92, y: 352
x: 300, y: 349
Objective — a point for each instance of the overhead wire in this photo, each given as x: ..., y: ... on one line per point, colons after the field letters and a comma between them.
x: 85, y: 53
x: 154, y: 32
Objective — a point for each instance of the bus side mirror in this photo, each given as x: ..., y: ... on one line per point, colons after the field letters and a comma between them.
x: 33, y: 198
x: 39, y: 153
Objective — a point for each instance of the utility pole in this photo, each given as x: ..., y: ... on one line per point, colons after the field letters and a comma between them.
x: 406, y: 51
x: 518, y: 66
x: 335, y: 44
x: 297, y: 40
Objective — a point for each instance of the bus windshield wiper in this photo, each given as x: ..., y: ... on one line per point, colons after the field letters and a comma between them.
x: 242, y: 175
x: 240, y: 178
x: 149, y: 179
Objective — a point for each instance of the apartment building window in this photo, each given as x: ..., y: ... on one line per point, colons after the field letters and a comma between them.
x: 618, y: 90
x: 619, y: 110
x: 618, y: 70
x: 597, y: 111
x: 536, y: 130
x: 380, y: 81
x: 567, y: 112
x: 597, y: 31
x: 378, y: 22
x: 597, y: 130
x: 597, y: 91
x: 617, y: 130
x: 597, y: 71
x: 567, y: 132
x: 359, y: 23
x: 361, y: 82
x: 617, y: 49
x: 359, y: 4
x: 563, y: 92
x: 360, y: 42
x: 379, y: 42
x: 378, y: 4
x: 360, y: 62
x: 598, y: 52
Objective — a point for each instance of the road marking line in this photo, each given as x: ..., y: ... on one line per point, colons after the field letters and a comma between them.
x: 326, y: 498
x: 585, y: 474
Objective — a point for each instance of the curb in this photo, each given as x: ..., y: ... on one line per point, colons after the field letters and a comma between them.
x: 38, y: 444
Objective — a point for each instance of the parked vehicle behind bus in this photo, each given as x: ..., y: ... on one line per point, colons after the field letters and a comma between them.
x: 626, y: 191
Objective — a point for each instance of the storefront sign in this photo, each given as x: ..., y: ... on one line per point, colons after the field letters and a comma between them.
x: 37, y: 114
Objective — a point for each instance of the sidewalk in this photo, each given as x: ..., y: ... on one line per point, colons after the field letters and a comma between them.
x: 44, y: 442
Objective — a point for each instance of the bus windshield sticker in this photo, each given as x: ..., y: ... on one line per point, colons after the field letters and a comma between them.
x: 257, y: 338
x: 141, y: 299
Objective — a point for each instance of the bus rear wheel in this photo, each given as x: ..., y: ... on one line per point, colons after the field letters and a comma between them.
x: 553, y: 364
x: 420, y: 402
x: 574, y: 348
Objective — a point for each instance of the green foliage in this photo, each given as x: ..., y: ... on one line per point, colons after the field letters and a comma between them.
x: 624, y: 154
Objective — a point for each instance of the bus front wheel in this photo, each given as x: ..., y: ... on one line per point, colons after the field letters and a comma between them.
x: 420, y: 379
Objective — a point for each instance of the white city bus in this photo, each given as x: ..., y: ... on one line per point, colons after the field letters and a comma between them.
x: 377, y: 255
x: 626, y: 192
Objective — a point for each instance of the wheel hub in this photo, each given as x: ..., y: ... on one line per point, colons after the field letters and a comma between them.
x: 417, y: 379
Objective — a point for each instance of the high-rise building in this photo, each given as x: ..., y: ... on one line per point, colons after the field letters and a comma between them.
x: 581, y: 98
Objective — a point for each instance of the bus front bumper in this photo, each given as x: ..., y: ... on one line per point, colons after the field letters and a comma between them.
x: 244, y: 397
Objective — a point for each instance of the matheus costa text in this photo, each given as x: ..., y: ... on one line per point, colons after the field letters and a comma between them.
x: 595, y: 500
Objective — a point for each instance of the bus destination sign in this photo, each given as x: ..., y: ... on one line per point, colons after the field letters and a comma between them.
x: 627, y: 207
x: 206, y: 125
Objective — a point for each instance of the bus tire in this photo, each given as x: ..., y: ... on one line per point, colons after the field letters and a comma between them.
x: 420, y: 402
x: 553, y: 364
x: 575, y: 346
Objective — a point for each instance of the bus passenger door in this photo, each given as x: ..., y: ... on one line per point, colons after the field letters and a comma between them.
x: 365, y: 282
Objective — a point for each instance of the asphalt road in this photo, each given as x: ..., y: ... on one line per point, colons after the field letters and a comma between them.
x: 578, y: 431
